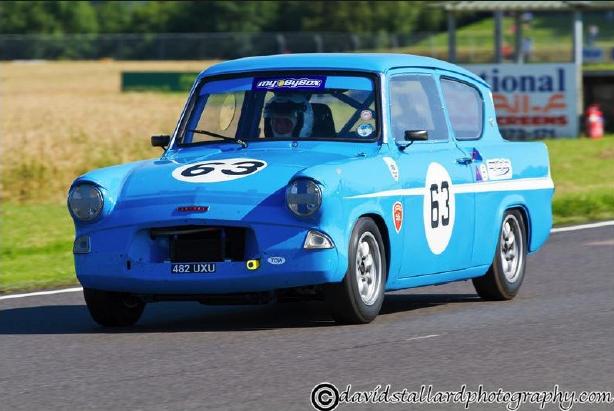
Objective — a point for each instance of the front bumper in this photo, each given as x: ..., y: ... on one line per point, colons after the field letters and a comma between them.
x: 121, y: 260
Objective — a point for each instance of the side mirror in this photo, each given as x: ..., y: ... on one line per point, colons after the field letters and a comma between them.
x: 416, y: 135
x: 160, y: 141
x: 410, y: 136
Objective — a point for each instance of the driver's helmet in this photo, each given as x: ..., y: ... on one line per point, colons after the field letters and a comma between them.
x: 288, y: 115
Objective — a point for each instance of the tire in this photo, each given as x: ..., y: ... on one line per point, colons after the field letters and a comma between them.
x: 505, y: 275
x: 359, y: 297
x: 111, y: 309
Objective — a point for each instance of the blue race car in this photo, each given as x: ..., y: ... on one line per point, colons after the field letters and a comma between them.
x: 318, y: 176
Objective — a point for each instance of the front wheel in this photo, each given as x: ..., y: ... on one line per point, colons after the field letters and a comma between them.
x: 111, y: 309
x: 359, y: 297
x: 505, y: 275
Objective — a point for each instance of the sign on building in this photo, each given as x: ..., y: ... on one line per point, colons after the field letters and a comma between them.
x: 532, y: 100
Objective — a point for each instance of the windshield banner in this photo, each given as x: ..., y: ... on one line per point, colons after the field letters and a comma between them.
x: 302, y: 83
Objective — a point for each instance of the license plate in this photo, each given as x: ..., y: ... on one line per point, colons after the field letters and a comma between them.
x: 196, y: 268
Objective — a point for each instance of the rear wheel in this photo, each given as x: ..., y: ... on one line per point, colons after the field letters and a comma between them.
x: 111, y: 309
x: 358, y: 298
x: 505, y: 275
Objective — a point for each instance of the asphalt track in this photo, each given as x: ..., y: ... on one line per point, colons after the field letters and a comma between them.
x: 559, y: 330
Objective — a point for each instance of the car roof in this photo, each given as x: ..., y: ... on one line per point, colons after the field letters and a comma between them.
x: 372, y: 62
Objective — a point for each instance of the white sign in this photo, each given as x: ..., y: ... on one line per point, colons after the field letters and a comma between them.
x: 215, y: 171
x: 532, y: 100
x: 499, y: 169
x: 438, y: 208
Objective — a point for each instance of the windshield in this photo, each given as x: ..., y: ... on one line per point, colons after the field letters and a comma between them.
x: 284, y: 107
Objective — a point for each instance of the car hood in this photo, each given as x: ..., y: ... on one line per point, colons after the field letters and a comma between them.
x: 161, y: 181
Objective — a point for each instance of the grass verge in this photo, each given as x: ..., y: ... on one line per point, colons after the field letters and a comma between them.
x: 35, y: 247
x: 583, y: 174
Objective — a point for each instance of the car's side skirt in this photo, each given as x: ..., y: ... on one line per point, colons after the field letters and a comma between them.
x: 436, y: 279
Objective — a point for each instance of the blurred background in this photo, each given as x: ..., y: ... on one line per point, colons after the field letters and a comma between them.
x: 84, y: 84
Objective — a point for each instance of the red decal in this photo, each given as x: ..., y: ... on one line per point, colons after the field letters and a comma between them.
x: 397, y: 213
x: 532, y: 120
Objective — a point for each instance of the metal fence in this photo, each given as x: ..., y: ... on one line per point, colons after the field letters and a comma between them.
x: 472, y: 47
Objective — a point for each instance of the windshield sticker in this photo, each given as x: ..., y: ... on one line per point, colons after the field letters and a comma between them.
x: 365, y: 130
x: 366, y: 115
x: 216, y: 171
x: 289, y: 83
x: 499, y: 168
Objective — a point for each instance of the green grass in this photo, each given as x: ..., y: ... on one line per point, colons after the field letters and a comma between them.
x: 551, y: 33
x: 35, y: 247
x: 583, y: 173
x: 36, y: 239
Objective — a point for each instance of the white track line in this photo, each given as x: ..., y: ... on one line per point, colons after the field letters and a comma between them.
x: 423, y: 337
x: 65, y: 290
x: 582, y: 227
x: 76, y: 289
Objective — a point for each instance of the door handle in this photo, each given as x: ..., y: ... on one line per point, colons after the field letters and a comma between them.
x: 464, y: 160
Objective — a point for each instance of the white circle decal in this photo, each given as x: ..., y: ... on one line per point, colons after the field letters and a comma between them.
x: 438, y: 208
x: 215, y: 171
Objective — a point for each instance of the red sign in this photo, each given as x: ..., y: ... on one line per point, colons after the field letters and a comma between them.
x: 533, y: 100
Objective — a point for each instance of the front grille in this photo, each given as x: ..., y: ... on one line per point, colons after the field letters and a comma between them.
x: 204, y: 244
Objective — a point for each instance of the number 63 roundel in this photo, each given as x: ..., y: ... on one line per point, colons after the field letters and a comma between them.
x: 438, y: 208
x: 215, y: 171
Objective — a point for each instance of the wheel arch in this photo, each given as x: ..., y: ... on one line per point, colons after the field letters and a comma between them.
x: 524, y: 212
x: 491, y: 232
x: 383, y: 230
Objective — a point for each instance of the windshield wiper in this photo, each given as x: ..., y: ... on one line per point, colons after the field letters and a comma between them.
x: 212, y: 134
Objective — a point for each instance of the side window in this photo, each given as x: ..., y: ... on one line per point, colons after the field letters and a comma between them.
x: 465, y: 107
x: 415, y: 105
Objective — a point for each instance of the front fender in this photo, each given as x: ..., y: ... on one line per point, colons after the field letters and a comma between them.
x: 110, y: 180
x: 352, y: 179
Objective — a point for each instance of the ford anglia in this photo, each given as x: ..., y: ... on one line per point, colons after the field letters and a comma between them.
x: 318, y: 176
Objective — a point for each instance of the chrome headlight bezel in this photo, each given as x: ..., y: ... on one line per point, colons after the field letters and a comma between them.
x: 303, y: 197
x: 317, y: 240
x: 85, y: 202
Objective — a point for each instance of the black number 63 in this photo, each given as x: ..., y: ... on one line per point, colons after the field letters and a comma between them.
x: 435, y: 211
x: 239, y: 168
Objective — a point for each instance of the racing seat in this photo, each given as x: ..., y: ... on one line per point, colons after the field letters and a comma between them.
x: 323, y: 123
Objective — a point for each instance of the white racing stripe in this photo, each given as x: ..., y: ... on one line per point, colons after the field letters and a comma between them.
x: 76, y: 289
x: 539, y: 183
x: 403, y: 192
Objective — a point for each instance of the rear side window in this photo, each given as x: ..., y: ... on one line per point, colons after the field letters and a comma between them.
x: 465, y: 107
x: 415, y: 105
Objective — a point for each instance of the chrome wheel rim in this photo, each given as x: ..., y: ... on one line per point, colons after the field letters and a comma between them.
x: 511, y: 248
x: 368, y: 268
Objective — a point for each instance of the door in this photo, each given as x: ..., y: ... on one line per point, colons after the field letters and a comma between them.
x: 440, y: 222
x: 466, y: 111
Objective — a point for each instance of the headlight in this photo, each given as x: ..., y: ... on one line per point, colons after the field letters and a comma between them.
x: 303, y: 197
x: 85, y: 202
